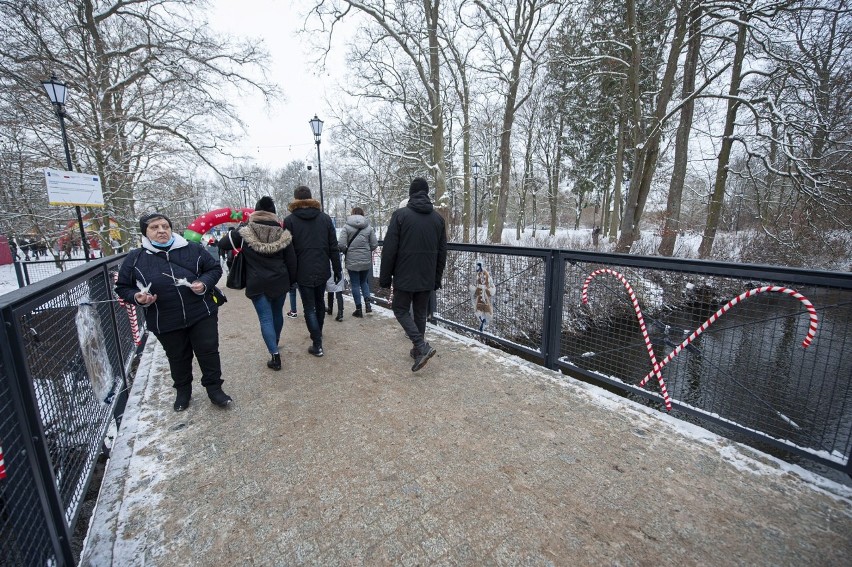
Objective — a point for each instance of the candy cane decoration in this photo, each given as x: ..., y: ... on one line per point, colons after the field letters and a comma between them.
x: 131, y: 314
x: 657, y: 368
x: 812, y: 327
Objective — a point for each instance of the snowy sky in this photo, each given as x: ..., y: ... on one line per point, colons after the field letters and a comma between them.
x: 280, y: 134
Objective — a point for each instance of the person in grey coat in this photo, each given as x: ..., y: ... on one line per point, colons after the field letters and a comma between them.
x: 357, y: 241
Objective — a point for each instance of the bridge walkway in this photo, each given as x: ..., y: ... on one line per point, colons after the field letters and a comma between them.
x: 478, y: 459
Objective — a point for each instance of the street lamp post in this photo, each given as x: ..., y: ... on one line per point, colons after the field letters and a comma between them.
x: 475, y: 202
x: 56, y: 91
x: 244, y: 190
x: 316, y: 127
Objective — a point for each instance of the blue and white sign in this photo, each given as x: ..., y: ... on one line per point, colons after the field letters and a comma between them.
x: 72, y: 188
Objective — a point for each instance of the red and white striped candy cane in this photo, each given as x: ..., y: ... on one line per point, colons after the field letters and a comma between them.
x: 657, y: 368
x: 131, y: 314
x: 812, y: 327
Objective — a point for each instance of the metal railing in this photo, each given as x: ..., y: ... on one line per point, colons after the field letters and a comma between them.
x: 745, y: 374
x: 30, y: 271
x: 52, y: 423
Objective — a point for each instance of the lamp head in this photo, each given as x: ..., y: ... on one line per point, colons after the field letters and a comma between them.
x: 475, y: 169
x: 56, y: 90
x: 316, y: 128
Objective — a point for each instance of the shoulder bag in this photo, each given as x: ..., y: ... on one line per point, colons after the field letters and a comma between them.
x: 237, y: 273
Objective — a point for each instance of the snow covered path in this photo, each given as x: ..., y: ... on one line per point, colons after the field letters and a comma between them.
x: 479, y: 458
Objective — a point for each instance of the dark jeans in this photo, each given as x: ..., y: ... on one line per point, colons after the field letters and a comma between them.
x: 414, y: 326
x: 201, y: 339
x: 360, y: 281
x: 293, y: 300
x: 313, y: 304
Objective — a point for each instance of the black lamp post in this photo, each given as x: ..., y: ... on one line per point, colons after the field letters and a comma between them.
x: 244, y: 189
x: 56, y: 91
x: 475, y: 202
x: 316, y: 127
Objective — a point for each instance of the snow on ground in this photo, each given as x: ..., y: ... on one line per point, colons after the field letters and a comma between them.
x: 8, y: 281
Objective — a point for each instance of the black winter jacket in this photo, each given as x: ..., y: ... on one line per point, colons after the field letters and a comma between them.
x: 177, y: 306
x: 315, y: 242
x: 270, y: 259
x: 414, y: 252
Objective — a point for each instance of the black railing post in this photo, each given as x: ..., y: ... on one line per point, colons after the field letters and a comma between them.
x: 19, y: 274
x: 554, y: 284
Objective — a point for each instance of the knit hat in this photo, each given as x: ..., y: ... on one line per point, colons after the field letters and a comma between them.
x: 145, y: 220
x: 418, y: 185
x: 265, y: 204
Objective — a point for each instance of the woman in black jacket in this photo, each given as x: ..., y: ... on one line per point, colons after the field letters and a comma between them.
x: 173, y: 279
x: 270, y: 270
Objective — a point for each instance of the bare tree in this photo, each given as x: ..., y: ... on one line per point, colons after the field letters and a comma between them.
x: 671, y: 225
x: 147, y: 82
x: 403, y: 32
x: 517, y: 53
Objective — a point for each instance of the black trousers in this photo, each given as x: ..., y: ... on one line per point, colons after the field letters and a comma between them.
x: 202, y: 340
x: 414, y: 326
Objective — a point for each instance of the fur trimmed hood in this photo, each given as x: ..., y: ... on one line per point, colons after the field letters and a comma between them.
x: 304, y: 204
x: 264, y: 235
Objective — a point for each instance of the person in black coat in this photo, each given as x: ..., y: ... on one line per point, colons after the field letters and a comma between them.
x: 270, y: 270
x: 414, y: 255
x: 173, y: 279
x: 315, y: 242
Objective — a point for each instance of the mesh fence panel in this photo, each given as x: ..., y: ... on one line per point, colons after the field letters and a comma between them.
x: 748, y: 367
x: 518, y: 300
x: 748, y: 370
x: 24, y: 534
x: 61, y: 362
x: 74, y: 421
x: 37, y: 270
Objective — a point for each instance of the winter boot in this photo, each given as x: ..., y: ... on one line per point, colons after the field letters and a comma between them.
x: 367, y: 306
x: 357, y: 312
x: 218, y: 397
x: 275, y: 363
x: 184, y: 393
x: 339, y: 313
x: 422, y: 358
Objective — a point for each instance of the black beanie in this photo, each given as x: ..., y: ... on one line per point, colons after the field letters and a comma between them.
x: 418, y: 185
x: 265, y: 204
x: 145, y: 220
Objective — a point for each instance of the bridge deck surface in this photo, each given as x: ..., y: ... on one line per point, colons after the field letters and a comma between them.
x: 479, y: 458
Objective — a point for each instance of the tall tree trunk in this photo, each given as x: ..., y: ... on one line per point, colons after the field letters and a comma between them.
x: 553, y: 178
x: 506, y: 155
x: 633, y: 79
x: 525, y: 183
x: 617, y: 213
x: 715, y: 209
x: 432, y: 11
x: 675, y: 198
x: 646, y: 159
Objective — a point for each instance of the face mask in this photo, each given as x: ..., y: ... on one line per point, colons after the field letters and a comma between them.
x: 165, y: 244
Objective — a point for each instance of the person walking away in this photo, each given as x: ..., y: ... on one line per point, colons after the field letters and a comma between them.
x: 270, y: 262
x: 358, y: 241
x: 414, y: 255
x: 315, y: 243
x: 173, y: 279
x: 335, y: 289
